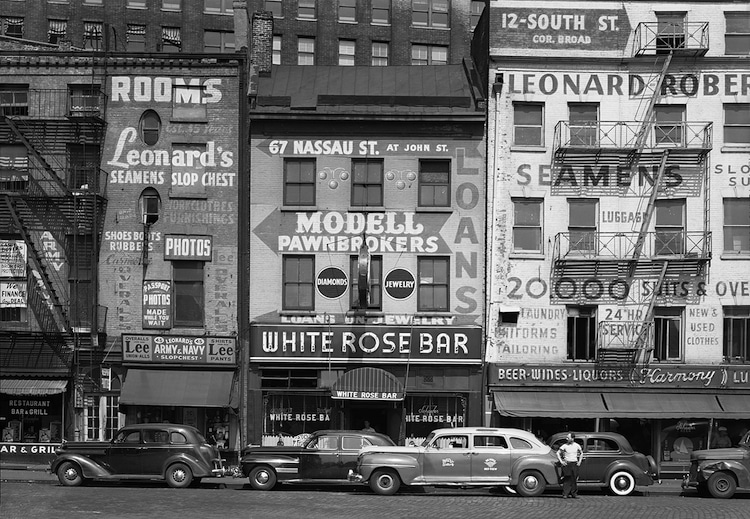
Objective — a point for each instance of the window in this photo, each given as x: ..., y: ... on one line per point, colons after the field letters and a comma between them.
x: 299, y: 182
x: 669, y: 129
x: 367, y: 183
x: 299, y: 283
x: 346, y: 52
x: 376, y: 284
x: 136, y: 4
x: 83, y: 165
x: 381, y: 11
x: 581, y: 332
x: 477, y: 7
x: 14, y: 99
x: 528, y: 124
x: 667, y: 333
x: 150, y: 205
x: 429, y: 55
x: 670, y: 32
x: 490, y: 442
x: 171, y: 5
x: 582, y: 225
x: 737, y: 36
x: 92, y: 35
x: 434, y: 183
x: 136, y: 36
x: 306, y: 9
x: 11, y: 26
x: 429, y: 13
x: 218, y: 6
x: 81, y: 289
x: 149, y: 127
x: 57, y: 31
x: 347, y: 10
x: 93, y: 2
x: 305, y: 51
x: 84, y: 100
x: 737, y: 123
x: 218, y: 41
x: 275, y: 6
x: 379, y: 54
x: 276, y: 59
x: 527, y: 225
x: 178, y: 438
x: 584, y: 127
x: 171, y: 39
x: 433, y: 284
x: 670, y: 228
x: 736, y: 333
x: 737, y: 225
x: 188, y: 293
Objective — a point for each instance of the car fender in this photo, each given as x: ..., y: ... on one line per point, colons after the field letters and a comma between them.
x: 89, y: 468
x: 276, y: 461
x: 543, y: 464
x: 641, y: 477
x: 197, y: 467
x: 407, y: 466
x: 741, y: 472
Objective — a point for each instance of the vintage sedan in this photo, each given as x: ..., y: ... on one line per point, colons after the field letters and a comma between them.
x: 720, y: 472
x: 461, y: 457
x: 610, y: 462
x: 176, y: 453
x: 325, y: 457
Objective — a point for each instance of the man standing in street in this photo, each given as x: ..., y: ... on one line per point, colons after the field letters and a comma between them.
x: 570, y: 455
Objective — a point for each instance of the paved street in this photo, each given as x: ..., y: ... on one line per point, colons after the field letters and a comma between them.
x: 232, y: 498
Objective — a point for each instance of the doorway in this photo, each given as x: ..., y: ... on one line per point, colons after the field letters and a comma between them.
x: 385, y: 417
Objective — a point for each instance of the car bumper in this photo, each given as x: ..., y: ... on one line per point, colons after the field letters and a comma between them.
x: 221, y: 469
x: 355, y: 477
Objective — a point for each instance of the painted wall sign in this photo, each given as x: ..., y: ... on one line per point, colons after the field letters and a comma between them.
x: 332, y: 282
x: 349, y: 147
x: 663, y: 377
x: 178, y: 349
x: 372, y: 344
x: 399, y: 284
x: 187, y: 247
x: 180, y: 90
x: 535, y: 28
x: 13, y: 294
x: 157, y: 304
x: 12, y: 259
x: 332, y: 231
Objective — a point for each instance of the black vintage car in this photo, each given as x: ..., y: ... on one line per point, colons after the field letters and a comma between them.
x: 324, y: 458
x: 176, y: 453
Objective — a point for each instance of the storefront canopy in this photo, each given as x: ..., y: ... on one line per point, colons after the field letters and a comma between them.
x: 367, y: 384
x: 16, y: 386
x: 178, y: 388
x: 557, y: 404
x: 735, y: 406
x: 662, y: 405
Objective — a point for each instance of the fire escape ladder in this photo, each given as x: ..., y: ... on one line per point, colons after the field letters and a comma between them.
x: 643, y: 344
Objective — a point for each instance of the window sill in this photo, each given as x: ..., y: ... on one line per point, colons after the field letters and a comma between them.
x: 306, y: 19
x: 527, y: 256
x: 740, y: 148
x: 298, y: 313
x: 137, y: 8
x: 166, y: 10
x: 188, y: 120
x: 380, y: 24
x: 429, y: 27
x: 220, y: 13
x: 532, y: 149
x: 434, y: 209
x: 298, y: 208
x: 736, y: 256
x: 349, y: 22
x: 367, y: 209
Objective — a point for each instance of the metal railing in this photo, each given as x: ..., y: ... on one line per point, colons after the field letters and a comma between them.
x: 657, y: 37
x: 673, y: 245
x: 624, y: 135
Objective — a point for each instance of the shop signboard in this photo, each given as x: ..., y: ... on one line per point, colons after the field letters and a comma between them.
x: 187, y: 247
x: 399, y: 284
x: 332, y: 282
x: 12, y: 259
x: 178, y: 349
x: 157, y: 304
x: 13, y: 294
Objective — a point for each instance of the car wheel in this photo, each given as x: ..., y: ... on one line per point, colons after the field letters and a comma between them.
x: 179, y: 475
x: 531, y: 484
x: 722, y: 485
x: 622, y: 483
x: 262, y: 478
x: 385, y: 482
x: 70, y: 474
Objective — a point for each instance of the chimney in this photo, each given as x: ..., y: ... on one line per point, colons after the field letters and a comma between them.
x: 261, y: 48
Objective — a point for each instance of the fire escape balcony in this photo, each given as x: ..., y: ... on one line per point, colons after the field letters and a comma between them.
x: 624, y: 344
x: 685, y: 39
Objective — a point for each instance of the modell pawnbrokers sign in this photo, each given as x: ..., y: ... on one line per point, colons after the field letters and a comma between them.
x: 178, y: 349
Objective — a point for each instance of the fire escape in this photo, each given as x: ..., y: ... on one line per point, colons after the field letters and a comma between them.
x: 645, y: 154
x: 52, y: 200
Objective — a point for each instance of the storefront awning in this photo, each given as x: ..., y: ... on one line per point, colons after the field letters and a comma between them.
x: 16, y: 386
x: 367, y: 384
x: 557, y: 404
x: 735, y: 406
x: 662, y: 405
x: 178, y: 388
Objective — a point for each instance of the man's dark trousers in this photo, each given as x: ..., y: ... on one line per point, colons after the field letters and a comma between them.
x: 570, y: 479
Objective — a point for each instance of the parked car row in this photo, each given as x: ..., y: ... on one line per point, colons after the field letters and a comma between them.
x: 460, y: 457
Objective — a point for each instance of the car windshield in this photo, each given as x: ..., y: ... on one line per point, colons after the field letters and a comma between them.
x: 427, y: 440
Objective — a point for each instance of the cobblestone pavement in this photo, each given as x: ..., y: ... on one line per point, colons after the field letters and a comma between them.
x: 21, y: 499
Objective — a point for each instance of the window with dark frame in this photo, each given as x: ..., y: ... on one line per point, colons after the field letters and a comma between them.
x: 736, y: 333
x: 189, y: 295
x: 80, y: 276
x: 57, y: 30
x: 581, y: 332
x: 379, y: 54
x: 275, y: 7
x: 582, y: 224
x: 477, y: 8
x: 150, y: 205
x: 83, y: 165
x: 367, y: 183
x: 434, y: 183
x: 527, y: 225
x: 11, y: 26
x: 430, y: 13
x: 84, y: 100
x: 347, y: 10
x: 92, y: 35
x: 14, y: 99
x: 218, y: 41
x: 737, y: 124
x: 670, y: 32
x: 376, y: 284
x: 298, y: 280
x: 299, y: 182
x: 669, y: 238
x: 218, y: 6
x: 669, y: 125
x: 276, y: 57
x: 433, y: 285
x: 668, y: 333
x: 171, y: 5
x: 737, y: 225
x: 136, y: 38
x: 306, y: 9
x: 528, y: 124
x: 305, y: 51
x: 171, y: 39
x: 149, y: 127
x: 429, y: 54
x: 737, y: 35
x: 584, y: 124
x: 381, y: 11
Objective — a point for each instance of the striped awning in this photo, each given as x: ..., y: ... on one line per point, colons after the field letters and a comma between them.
x: 367, y: 384
x: 22, y: 386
